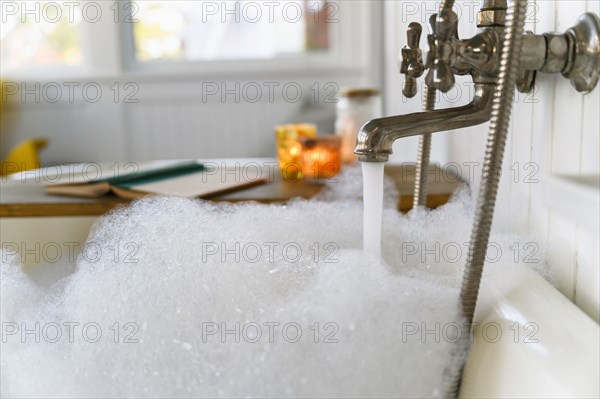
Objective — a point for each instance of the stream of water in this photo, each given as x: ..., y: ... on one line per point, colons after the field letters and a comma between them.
x: 373, y: 206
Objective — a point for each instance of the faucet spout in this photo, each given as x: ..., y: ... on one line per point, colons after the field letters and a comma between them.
x: 376, y: 137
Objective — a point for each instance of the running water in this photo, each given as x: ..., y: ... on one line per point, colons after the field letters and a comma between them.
x: 373, y: 206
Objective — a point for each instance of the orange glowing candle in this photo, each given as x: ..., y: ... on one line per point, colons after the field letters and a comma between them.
x: 321, y: 157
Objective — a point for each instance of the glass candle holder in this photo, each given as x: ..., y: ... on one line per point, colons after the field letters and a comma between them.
x: 321, y: 157
x: 289, y: 149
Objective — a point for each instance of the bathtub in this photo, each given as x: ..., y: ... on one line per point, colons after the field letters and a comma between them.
x: 530, y: 341
x: 548, y: 347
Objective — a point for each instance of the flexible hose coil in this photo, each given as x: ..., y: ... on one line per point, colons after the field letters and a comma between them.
x: 490, y: 179
x: 501, y: 110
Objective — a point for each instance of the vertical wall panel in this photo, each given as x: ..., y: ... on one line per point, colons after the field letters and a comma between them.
x: 587, y: 289
x: 542, y: 128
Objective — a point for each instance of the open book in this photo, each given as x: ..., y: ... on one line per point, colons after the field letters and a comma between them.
x: 188, y: 179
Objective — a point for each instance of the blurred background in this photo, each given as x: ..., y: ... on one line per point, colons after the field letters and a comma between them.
x: 142, y: 80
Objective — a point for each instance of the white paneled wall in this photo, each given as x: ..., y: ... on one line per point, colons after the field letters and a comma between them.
x: 189, y: 128
x: 169, y: 120
x: 553, y: 133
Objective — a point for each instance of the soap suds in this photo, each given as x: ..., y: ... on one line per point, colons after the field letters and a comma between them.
x: 261, y: 272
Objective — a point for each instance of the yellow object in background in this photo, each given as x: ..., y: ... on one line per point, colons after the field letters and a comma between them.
x: 289, y: 150
x: 25, y: 156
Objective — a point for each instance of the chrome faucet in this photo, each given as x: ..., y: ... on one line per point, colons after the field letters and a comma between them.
x: 575, y: 54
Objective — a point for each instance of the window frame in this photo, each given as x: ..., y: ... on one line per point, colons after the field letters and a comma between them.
x: 350, y: 52
x: 341, y: 37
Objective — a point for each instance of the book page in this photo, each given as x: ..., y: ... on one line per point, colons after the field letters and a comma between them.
x: 200, y: 184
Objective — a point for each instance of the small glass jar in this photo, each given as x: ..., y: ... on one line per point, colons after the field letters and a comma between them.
x: 355, y: 108
x: 321, y: 158
x: 289, y: 150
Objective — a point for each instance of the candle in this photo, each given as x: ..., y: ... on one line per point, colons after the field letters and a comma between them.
x: 321, y: 157
x: 289, y: 149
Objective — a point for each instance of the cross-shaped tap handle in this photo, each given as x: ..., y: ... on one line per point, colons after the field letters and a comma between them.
x: 444, y: 27
x: 412, y: 60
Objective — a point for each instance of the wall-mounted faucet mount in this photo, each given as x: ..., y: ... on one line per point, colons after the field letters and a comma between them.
x: 575, y: 54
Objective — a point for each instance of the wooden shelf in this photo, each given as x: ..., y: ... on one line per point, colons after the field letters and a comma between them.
x: 31, y: 200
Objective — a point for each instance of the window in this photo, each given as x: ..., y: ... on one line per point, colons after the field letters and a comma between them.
x: 242, y: 29
x: 61, y: 39
x: 41, y: 33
